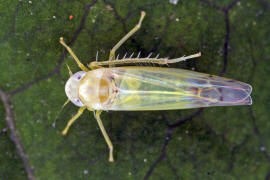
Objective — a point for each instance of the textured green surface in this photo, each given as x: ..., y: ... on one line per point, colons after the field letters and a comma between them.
x: 212, y: 143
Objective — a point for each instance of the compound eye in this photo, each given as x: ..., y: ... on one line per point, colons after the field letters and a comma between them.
x: 78, y: 102
x: 78, y: 75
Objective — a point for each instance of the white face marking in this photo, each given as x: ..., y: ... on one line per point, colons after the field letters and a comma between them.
x: 71, y: 88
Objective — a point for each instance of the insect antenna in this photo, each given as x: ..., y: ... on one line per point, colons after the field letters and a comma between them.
x: 69, y: 71
x: 54, y: 122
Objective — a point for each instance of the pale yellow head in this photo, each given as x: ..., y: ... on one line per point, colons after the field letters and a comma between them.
x: 72, y: 88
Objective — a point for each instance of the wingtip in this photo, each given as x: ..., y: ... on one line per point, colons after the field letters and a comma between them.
x: 249, y: 101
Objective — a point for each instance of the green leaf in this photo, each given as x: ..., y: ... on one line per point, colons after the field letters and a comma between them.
x: 209, y: 143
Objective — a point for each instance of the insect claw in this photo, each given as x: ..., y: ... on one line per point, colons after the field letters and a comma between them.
x: 61, y: 40
x: 157, y: 56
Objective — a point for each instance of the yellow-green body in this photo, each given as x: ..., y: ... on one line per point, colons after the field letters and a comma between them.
x: 155, y: 88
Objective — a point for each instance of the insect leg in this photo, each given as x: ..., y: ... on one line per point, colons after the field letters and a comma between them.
x: 183, y: 58
x: 107, y: 139
x: 130, y: 33
x: 71, y: 121
x: 73, y: 55
x: 144, y: 60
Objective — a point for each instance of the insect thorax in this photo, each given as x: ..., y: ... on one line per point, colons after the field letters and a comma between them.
x: 95, y: 89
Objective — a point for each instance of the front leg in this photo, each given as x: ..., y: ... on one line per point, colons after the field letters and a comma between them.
x: 73, y: 55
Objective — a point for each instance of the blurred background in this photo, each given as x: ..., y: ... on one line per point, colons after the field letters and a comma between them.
x: 207, y: 143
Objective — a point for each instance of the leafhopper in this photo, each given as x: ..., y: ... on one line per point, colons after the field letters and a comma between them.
x: 102, y: 86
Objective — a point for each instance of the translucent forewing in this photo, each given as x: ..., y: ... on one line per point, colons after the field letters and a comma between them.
x: 152, y: 88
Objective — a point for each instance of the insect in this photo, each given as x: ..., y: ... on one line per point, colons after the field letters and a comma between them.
x: 136, y: 88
